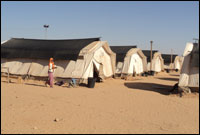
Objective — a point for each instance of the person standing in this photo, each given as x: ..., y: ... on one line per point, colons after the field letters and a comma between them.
x: 51, y: 68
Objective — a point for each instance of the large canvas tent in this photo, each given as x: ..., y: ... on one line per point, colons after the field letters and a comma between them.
x: 121, y: 52
x: 75, y: 58
x: 167, y: 61
x: 157, y: 60
x: 189, y: 76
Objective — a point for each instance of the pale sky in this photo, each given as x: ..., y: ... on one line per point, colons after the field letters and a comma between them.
x: 169, y: 24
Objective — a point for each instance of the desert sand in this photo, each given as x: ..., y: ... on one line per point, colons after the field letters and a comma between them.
x: 139, y: 105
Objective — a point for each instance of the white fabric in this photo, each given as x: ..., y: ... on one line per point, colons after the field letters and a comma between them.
x: 17, y: 65
x: 87, y: 65
x: 188, y: 49
x: 189, y: 76
x: 97, y: 65
x: 177, y: 65
x: 23, y: 70
x: 89, y: 71
x: 69, y: 69
x: 148, y: 66
x: 184, y: 78
x: 78, y: 70
x: 119, y: 67
x: 136, y: 65
x: 166, y: 66
x: 60, y: 65
x: 157, y: 66
x: 194, y: 77
x: 95, y: 55
x: 100, y: 56
x: 13, y: 65
x: 178, y: 62
x: 44, y: 72
x: 9, y: 64
x: 37, y: 67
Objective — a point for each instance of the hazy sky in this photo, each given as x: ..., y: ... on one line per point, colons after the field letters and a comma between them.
x: 168, y: 24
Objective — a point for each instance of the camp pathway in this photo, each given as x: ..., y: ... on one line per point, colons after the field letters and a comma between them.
x: 140, y: 105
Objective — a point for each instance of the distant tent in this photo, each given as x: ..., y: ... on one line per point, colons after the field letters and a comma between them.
x: 147, y: 53
x: 189, y: 76
x: 75, y: 58
x: 135, y: 62
x: 121, y: 52
x: 167, y: 60
x: 157, y: 60
x: 177, y: 63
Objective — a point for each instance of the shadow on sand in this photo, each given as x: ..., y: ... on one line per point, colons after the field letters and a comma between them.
x: 169, y: 79
x: 162, y: 89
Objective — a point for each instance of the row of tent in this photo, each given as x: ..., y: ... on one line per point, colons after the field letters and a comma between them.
x: 131, y: 59
x: 80, y: 58
x: 77, y: 58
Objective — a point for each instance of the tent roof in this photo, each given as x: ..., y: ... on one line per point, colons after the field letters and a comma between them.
x: 44, y: 49
x: 167, y: 57
x: 147, y: 53
x: 121, y: 51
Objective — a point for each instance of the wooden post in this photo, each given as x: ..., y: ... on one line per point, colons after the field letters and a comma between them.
x: 8, y: 72
x: 171, y: 58
x: 8, y: 75
x: 151, y: 56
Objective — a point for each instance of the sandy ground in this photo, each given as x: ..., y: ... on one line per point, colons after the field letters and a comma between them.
x: 139, y: 105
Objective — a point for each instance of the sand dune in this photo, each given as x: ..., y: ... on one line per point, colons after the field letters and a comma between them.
x: 141, y: 105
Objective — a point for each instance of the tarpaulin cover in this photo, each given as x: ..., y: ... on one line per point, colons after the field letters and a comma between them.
x: 44, y: 49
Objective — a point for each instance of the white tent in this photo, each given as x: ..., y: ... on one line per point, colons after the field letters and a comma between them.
x: 189, y: 76
x: 121, y: 52
x: 97, y: 55
x: 178, y: 63
x: 157, y: 63
x: 169, y: 60
x: 135, y: 62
